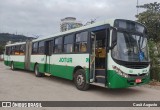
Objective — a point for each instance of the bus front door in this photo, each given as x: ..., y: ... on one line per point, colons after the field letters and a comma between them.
x: 92, y: 57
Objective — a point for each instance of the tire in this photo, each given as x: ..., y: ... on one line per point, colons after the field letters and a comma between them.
x: 12, y: 66
x: 36, y: 71
x: 80, y: 80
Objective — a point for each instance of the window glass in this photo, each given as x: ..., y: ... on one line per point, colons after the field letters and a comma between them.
x: 68, y: 39
x: 22, y: 49
x: 16, y: 52
x: 81, y: 42
x: 12, y: 50
x: 68, y: 44
x: 34, y: 48
x: 81, y: 36
x: 68, y: 48
x: 8, y: 50
x: 131, y: 48
x: 58, y: 45
x: 41, y: 47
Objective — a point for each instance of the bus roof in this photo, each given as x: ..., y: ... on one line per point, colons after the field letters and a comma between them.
x: 110, y: 22
x: 16, y: 43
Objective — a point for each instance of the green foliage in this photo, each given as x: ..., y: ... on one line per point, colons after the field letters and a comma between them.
x: 151, y: 19
x: 155, y: 60
x: 5, y: 37
x: 1, y: 49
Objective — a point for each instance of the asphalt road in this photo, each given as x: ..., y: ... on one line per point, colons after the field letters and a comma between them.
x: 22, y: 85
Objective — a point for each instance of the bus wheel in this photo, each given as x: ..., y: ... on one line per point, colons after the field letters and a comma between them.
x: 12, y: 66
x: 80, y: 80
x: 36, y: 71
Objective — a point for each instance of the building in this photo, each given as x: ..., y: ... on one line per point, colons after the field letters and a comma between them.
x: 69, y: 23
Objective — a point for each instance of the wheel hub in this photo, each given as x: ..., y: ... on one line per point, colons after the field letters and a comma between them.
x: 80, y: 79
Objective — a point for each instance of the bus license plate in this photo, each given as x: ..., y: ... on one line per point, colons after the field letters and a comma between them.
x: 138, y: 80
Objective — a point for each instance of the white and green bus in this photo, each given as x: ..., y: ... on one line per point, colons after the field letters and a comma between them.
x: 111, y: 54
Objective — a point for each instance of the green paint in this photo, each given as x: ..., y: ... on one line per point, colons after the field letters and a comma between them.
x: 41, y: 67
x: 6, y: 63
x: 67, y: 60
x: 59, y: 70
x: 116, y: 81
x: 18, y: 65
x: 62, y: 71
x: 32, y: 66
x: 87, y: 60
x: 87, y: 75
x: 113, y: 79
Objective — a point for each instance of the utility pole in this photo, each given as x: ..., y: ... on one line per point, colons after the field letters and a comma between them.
x: 137, y: 7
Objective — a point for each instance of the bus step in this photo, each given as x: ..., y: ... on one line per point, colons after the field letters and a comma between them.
x: 47, y: 74
x: 100, y: 72
x: 98, y: 84
x: 100, y: 79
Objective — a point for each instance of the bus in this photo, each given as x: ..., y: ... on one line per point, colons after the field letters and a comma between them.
x: 110, y: 54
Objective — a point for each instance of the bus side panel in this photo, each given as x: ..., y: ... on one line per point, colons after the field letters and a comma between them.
x: 18, y: 61
x: 117, y: 81
x: 40, y: 60
x: 6, y: 62
x: 64, y: 65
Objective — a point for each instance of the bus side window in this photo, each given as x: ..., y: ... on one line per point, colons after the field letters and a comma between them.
x: 81, y: 42
x: 12, y: 50
x: 58, y: 45
x: 35, y: 48
x: 83, y: 47
x: 68, y: 44
x: 22, y: 50
x: 16, y: 52
x: 41, y: 47
x: 8, y: 50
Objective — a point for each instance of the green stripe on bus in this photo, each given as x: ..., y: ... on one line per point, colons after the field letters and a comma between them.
x: 59, y: 70
x: 116, y: 81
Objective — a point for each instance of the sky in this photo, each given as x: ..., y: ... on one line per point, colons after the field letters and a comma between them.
x: 41, y: 18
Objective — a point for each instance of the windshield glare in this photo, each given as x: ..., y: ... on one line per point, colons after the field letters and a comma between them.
x: 130, y: 47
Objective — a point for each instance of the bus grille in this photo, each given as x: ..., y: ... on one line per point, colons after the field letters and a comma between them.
x: 136, y: 66
x: 136, y: 75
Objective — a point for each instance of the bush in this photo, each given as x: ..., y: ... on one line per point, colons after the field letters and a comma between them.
x: 154, y: 53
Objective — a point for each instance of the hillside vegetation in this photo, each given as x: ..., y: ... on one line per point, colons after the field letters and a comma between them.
x: 5, y: 37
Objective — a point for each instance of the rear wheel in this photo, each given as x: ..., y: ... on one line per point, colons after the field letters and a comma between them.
x: 36, y: 71
x: 80, y: 80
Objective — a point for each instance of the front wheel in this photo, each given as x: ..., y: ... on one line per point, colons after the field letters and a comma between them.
x: 80, y: 80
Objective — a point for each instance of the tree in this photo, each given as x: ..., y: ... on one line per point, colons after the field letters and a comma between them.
x: 151, y: 19
x: 1, y: 49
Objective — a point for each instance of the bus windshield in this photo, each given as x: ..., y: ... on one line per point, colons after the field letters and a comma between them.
x: 130, y: 47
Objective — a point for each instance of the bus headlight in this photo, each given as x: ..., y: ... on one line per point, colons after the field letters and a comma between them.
x: 120, y: 72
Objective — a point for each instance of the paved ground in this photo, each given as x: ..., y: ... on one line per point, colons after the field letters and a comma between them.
x: 21, y: 85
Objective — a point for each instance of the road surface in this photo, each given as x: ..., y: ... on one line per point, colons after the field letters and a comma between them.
x: 20, y: 85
